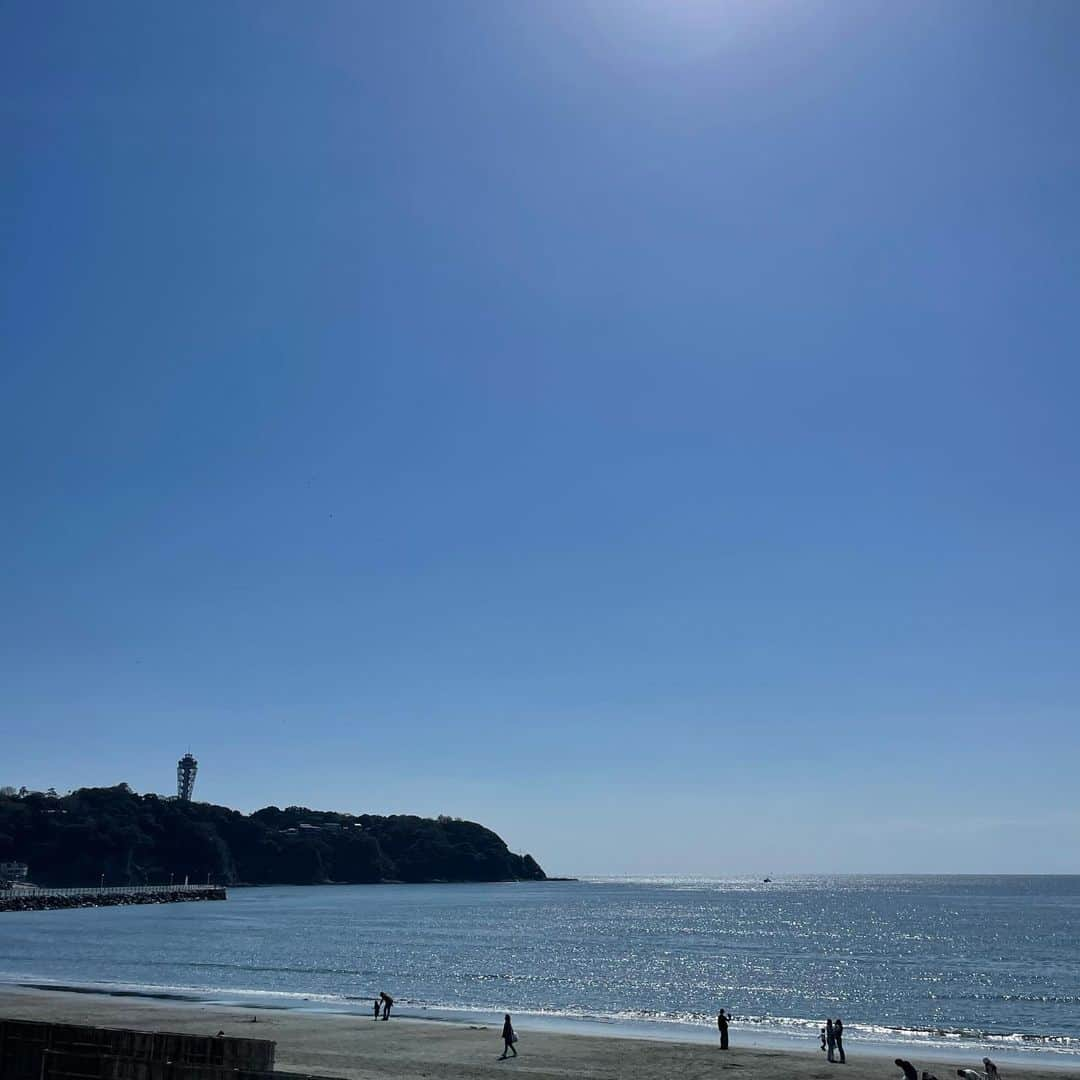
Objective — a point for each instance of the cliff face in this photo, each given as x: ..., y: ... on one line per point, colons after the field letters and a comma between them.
x: 143, y: 839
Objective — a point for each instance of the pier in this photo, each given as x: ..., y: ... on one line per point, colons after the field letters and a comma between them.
x: 22, y: 898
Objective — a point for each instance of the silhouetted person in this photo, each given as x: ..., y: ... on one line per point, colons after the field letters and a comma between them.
x: 838, y: 1036
x: 830, y: 1039
x: 823, y: 1043
x: 387, y: 1001
x: 991, y: 1069
x: 722, y: 1024
x: 378, y: 1006
x: 508, y: 1037
x: 908, y: 1068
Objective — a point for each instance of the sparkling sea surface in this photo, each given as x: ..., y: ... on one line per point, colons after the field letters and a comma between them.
x: 954, y: 965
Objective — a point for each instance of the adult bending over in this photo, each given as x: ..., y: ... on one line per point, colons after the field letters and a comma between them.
x: 908, y: 1069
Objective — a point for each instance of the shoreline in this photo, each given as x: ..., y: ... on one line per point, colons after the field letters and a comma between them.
x: 755, y: 1033
x: 350, y: 1045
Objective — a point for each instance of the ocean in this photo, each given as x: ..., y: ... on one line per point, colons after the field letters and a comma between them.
x: 927, y: 965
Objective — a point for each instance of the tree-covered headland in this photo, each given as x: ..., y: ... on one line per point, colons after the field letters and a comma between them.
x: 131, y: 839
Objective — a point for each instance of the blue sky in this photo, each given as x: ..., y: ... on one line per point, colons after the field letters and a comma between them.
x: 646, y: 428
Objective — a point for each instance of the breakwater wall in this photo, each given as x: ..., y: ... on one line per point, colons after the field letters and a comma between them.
x: 32, y: 1049
x: 61, y: 1066
x: 49, y: 899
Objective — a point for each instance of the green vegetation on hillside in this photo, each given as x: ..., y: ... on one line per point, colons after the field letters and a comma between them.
x: 145, y: 839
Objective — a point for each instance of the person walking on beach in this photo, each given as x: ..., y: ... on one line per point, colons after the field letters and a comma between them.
x: 830, y: 1039
x: 387, y: 1001
x: 508, y: 1038
x: 838, y: 1037
x: 722, y: 1025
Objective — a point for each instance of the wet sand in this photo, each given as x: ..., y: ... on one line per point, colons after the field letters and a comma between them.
x: 357, y: 1047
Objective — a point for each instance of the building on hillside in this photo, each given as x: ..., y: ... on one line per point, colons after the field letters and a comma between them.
x: 186, y: 768
x: 12, y: 873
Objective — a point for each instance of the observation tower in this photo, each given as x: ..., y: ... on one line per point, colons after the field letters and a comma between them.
x: 186, y: 768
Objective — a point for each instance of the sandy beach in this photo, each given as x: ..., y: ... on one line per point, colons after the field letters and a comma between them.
x: 361, y: 1049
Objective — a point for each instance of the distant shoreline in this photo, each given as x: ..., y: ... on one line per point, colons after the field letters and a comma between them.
x: 396, y: 881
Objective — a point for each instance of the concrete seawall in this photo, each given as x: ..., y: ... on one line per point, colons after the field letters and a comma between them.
x: 49, y: 899
x: 33, y: 1050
